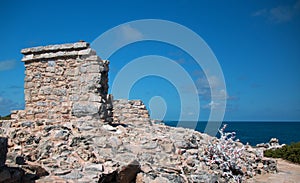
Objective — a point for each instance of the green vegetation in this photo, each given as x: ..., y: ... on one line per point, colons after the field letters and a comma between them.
x: 5, y: 117
x: 288, y: 152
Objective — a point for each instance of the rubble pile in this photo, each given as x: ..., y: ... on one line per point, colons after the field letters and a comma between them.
x: 155, y: 153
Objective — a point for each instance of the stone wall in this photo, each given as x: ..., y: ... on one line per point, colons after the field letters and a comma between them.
x: 63, y: 82
x: 130, y: 112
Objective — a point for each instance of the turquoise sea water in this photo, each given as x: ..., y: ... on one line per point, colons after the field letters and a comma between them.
x: 258, y: 132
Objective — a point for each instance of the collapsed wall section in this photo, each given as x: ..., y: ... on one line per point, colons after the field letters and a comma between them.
x: 63, y: 82
x: 132, y: 112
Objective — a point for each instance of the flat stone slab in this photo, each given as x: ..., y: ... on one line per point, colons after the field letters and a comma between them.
x: 56, y: 47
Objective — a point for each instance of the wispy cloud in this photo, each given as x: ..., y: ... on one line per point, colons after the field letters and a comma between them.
x: 232, y: 97
x: 211, y: 105
x: 205, y: 85
x: 125, y: 34
x: 230, y: 107
x: 7, y: 65
x: 210, y: 82
x: 260, y: 12
x: 178, y: 56
x: 279, y: 14
x: 129, y: 33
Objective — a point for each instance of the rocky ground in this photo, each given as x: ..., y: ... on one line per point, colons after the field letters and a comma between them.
x: 131, y: 149
x: 138, y: 151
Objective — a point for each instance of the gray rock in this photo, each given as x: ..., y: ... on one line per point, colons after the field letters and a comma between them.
x: 181, y: 145
x: 264, y: 145
x: 83, y: 69
x: 273, y: 140
x: 41, y: 104
x: 61, y: 172
x: 27, y: 124
x: 173, y: 177
x: 150, y: 145
x: 204, y: 177
x: 59, y: 92
x: 62, y: 134
x: 94, y: 167
x: 80, y: 110
x: 51, y: 63
x: 75, y: 174
x: 161, y: 180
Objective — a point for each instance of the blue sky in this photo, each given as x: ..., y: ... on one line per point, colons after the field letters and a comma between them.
x: 257, y: 44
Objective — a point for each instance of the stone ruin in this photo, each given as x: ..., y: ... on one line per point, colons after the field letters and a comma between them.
x: 73, y: 131
x: 63, y: 83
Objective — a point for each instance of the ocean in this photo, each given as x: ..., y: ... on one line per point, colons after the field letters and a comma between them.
x: 257, y: 132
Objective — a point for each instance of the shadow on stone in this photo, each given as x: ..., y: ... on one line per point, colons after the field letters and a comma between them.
x: 125, y: 174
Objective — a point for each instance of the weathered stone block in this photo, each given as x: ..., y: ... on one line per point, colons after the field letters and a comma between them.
x: 85, y: 109
x: 81, y: 45
x: 95, y: 69
x: 59, y: 91
x: 95, y: 98
x: 41, y: 103
x: 40, y: 116
x: 83, y: 69
x: 50, y: 69
x: 85, y: 51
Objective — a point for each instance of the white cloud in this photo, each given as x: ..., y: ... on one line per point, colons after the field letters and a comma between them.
x: 211, y: 81
x: 204, y: 87
x: 221, y: 95
x: 260, y: 12
x: 281, y: 13
x: 230, y: 107
x: 125, y: 34
x: 211, y: 105
x: 129, y: 33
x: 190, y: 113
x: 204, y: 90
x: 7, y: 65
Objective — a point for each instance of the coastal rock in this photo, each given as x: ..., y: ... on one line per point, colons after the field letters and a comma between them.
x: 104, y: 155
x: 263, y: 145
x: 73, y: 130
x: 272, y: 144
